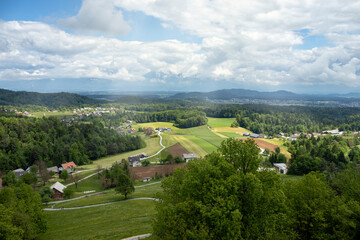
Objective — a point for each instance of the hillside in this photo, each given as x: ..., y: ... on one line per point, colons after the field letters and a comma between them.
x: 229, y: 94
x: 53, y: 100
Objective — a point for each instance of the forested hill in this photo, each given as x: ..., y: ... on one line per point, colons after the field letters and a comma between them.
x: 228, y: 94
x: 53, y: 100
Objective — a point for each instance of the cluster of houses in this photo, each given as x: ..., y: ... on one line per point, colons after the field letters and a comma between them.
x: 16, y: 111
x: 57, y: 188
x: 163, y: 129
x: 294, y: 137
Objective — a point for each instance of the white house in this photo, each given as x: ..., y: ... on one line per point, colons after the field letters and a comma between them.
x: 281, y: 167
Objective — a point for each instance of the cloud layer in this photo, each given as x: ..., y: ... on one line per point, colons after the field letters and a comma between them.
x: 242, y: 41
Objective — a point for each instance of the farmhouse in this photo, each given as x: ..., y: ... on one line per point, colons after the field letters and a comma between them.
x: 68, y: 165
x: 254, y: 135
x: 58, y: 189
x: 246, y: 134
x: 162, y: 129
x: 135, y: 161
x: 54, y: 169
x: 281, y: 167
x: 189, y: 156
x: 19, y: 172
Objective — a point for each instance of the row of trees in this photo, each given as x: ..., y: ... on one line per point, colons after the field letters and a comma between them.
x: 325, y: 154
x: 26, y: 140
x: 223, y: 196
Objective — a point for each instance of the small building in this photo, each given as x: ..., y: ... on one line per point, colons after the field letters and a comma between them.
x: 54, y: 169
x: 130, y: 131
x: 68, y: 165
x: 189, y: 156
x: 163, y: 129
x: 58, y: 189
x: 146, y: 179
x: 254, y: 135
x: 19, y: 172
x: 134, y: 161
x: 281, y: 167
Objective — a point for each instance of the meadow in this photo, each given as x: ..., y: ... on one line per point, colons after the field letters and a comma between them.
x: 114, y: 221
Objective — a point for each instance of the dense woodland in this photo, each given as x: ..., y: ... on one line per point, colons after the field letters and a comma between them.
x: 326, y: 154
x: 181, y: 119
x: 223, y: 196
x: 26, y: 140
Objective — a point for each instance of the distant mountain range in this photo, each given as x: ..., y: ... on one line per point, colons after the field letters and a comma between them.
x: 231, y: 94
x: 53, y: 100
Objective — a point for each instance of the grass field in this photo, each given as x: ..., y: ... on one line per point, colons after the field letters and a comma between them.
x: 152, y: 146
x: 231, y: 134
x: 187, y: 143
x: 220, y: 122
x: 114, y: 221
x: 204, y: 133
x: 112, y: 196
x: 51, y: 114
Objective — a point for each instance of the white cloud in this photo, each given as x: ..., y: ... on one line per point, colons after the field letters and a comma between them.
x: 242, y: 41
x: 99, y: 16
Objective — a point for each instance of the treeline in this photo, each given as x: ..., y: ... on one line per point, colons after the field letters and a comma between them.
x: 326, y: 154
x: 52, y: 100
x: 26, y: 140
x: 224, y: 196
x: 181, y: 119
x: 271, y: 120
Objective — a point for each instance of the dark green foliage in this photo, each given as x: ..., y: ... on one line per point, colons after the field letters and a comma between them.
x: 218, y: 198
x: 68, y: 193
x: 316, y: 212
x: 53, y: 100
x: 64, y: 175
x: 145, y: 163
x: 118, y: 176
x: 28, y: 178
x: 21, y: 215
x: 24, y: 141
x: 326, y: 154
x: 46, y: 193
x: 9, y: 179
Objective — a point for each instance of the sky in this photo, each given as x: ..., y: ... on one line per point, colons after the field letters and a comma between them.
x: 309, y: 46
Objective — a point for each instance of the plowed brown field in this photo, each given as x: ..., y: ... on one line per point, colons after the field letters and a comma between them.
x: 262, y: 144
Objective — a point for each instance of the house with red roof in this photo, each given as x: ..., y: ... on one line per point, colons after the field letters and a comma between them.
x: 68, y: 165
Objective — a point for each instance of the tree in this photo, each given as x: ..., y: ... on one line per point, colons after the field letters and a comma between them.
x: 243, y: 155
x: 23, y: 207
x: 125, y: 185
x: 222, y: 197
x: 316, y: 212
x: 9, y: 179
x: 75, y: 178
x: 64, y: 175
x: 68, y: 193
x: 46, y: 193
x: 145, y: 163
x: 44, y: 174
x: 28, y: 178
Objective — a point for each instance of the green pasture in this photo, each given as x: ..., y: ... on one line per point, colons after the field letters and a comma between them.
x: 152, y: 146
x: 112, y: 196
x: 114, y: 221
x: 52, y: 114
x: 220, y: 122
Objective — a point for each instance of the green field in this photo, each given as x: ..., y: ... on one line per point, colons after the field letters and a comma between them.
x: 204, y: 133
x: 152, y: 146
x: 112, y: 196
x: 114, y: 221
x: 220, y: 122
x: 51, y: 114
x: 231, y: 134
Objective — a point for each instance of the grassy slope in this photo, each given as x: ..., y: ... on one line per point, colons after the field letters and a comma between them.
x: 112, y: 196
x: 51, y: 114
x: 115, y: 221
x: 220, y: 122
x: 152, y: 146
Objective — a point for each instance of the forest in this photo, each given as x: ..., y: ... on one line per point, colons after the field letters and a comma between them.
x: 26, y: 140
